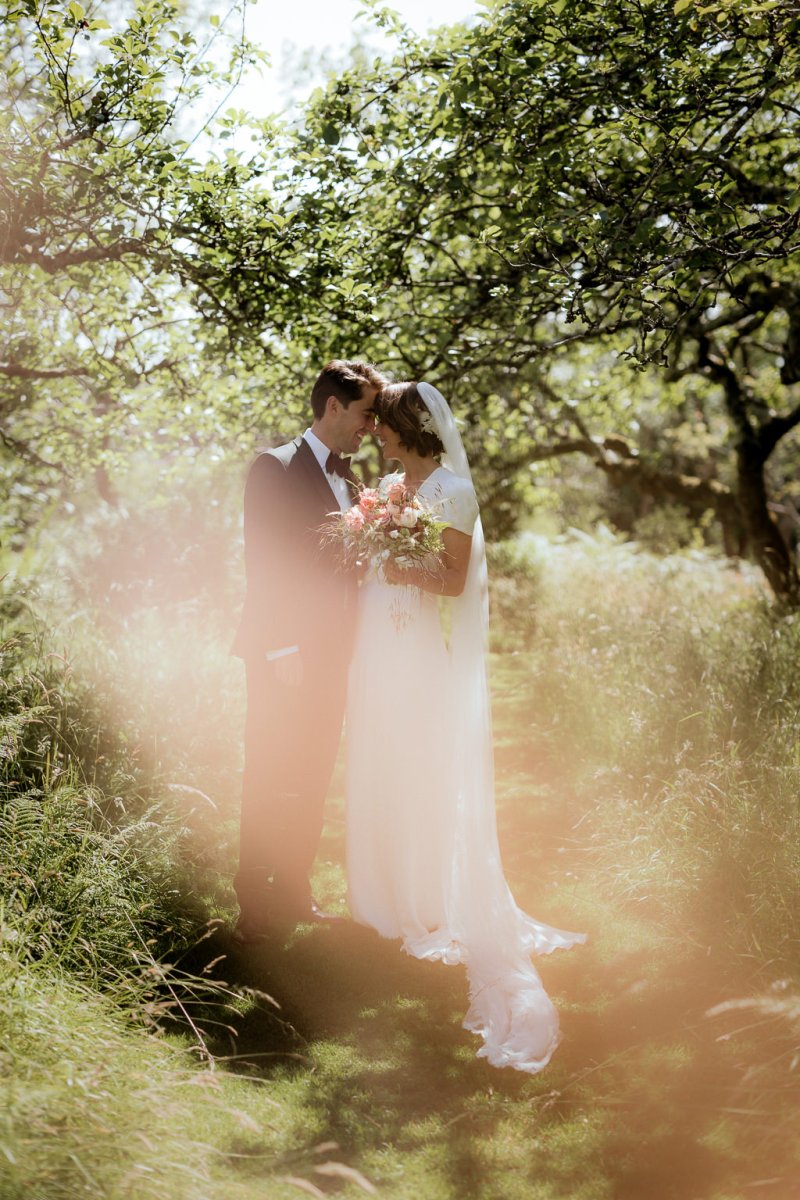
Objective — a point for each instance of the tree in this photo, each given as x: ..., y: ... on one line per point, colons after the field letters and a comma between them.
x: 113, y: 332
x: 623, y: 173
x: 565, y: 178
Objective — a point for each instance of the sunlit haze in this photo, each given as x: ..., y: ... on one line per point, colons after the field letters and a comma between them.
x: 329, y: 28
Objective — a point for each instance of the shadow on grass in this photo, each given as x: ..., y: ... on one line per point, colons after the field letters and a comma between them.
x: 646, y: 1099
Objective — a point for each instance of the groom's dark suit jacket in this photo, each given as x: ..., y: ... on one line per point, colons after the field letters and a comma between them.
x: 297, y: 593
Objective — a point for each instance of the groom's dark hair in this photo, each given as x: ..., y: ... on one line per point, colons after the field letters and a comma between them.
x: 345, y: 380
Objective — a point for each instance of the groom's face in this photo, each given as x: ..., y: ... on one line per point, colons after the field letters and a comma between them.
x: 355, y: 421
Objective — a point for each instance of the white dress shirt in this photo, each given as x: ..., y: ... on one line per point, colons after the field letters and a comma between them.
x: 338, y: 483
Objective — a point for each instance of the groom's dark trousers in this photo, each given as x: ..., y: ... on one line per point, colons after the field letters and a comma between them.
x: 297, y: 596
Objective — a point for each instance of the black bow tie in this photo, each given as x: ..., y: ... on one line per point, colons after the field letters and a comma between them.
x: 336, y: 465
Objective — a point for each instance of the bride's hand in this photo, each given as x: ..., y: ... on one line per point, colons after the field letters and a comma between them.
x: 393, y: 573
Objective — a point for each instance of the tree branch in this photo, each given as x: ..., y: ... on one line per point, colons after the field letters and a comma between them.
x: 22, y: 450
x: 776, y: 428
x: 53, y: 263
x: 620, y: 462
x: 17, y: 371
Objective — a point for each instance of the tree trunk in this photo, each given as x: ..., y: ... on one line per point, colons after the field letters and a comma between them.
x: 770, y: 550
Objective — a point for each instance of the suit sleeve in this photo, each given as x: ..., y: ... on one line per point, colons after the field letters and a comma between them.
x: 272, y: 562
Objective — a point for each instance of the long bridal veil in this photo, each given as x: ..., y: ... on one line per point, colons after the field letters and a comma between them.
x: 485, y: 929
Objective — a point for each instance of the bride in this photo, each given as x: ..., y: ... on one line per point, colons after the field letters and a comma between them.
x: 423, y: 860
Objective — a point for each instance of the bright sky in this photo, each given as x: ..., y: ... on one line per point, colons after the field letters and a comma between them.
x: 326, y: 28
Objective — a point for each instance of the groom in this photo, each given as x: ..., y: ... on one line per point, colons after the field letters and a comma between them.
x: 295, y: 637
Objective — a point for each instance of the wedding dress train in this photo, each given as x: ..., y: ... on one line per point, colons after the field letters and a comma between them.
x: 423, y: 859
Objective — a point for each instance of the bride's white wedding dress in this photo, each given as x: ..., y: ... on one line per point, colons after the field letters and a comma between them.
x: 423, y: 860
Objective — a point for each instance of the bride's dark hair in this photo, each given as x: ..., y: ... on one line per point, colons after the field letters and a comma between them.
x: 400, y: 406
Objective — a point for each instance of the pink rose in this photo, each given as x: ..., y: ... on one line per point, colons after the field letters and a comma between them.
x: 396, y: 493
x: 369, y: 500
x: 354, y: 519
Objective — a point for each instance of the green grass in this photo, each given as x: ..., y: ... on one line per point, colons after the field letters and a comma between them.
x: 646, y: 721
x: 94, y: 1107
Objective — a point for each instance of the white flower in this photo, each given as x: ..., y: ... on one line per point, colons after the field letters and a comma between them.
x: 395, y: 533
x: 407, y: 518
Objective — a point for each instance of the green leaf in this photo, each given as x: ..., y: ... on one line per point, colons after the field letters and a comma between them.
x: 682, y: 5
x: 214, y: 20
x: 76, y: 10
x: 330, y: 134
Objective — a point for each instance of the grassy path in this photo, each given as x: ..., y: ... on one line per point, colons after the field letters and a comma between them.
x: 644, y: 1100
x: 647, y: 1098
x: 646, y: 750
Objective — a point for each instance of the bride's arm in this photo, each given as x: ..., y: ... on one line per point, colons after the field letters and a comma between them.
x: 448, y: 578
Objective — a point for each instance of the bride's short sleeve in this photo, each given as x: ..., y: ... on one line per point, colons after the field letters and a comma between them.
x: 459, y: 505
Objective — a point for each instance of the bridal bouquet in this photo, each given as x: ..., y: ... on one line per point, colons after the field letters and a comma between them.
x: 383, y: 525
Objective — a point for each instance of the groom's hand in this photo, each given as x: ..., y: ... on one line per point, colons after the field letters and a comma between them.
x: 289, y: 669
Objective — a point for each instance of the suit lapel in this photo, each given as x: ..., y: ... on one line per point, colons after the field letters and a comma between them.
x: 306, y: 463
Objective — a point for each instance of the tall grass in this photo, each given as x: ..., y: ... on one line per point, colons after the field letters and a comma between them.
x: 94, y: 1107
x: 98, y: 911
x: 90, y: 863
x: 661, y: 693
x: 647, y: 712
x: 667, y: 693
